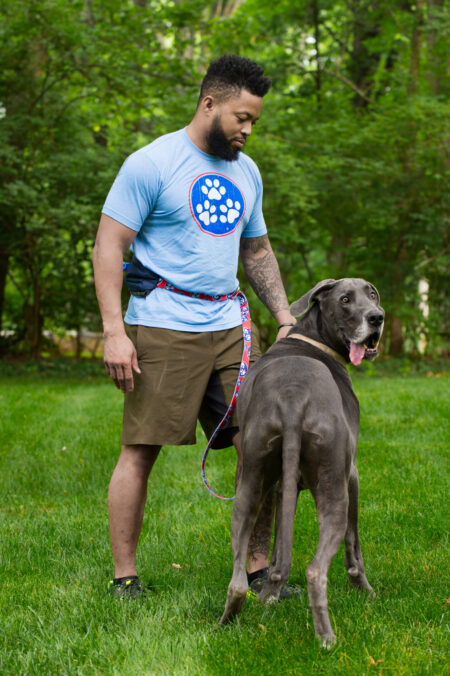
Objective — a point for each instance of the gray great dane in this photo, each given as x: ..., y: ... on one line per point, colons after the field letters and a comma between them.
x: 299, y: 421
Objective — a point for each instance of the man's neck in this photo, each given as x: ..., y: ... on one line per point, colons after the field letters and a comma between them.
x: 197, y: 137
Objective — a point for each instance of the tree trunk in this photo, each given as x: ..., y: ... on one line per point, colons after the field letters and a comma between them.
x: 364, y: 62
x: 437, y: 67
x: 317, y: 75
x: 395, y: 327
x: 34, y: 323
x: 396, y: 341
x: 4, y: 262
x: 78, y: 344
x: 416, y: 44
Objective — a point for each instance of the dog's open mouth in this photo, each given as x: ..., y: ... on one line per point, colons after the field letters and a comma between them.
x: 367, y: 350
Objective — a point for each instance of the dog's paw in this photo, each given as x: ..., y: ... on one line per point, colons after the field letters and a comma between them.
x: 235, y: 600
x: 359, y: 581
x: 270, y: 600
x: 327, y: 641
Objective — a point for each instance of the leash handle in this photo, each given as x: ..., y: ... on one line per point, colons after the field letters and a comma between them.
x: 245, y: 362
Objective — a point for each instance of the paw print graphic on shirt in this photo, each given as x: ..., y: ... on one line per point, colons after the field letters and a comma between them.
x: 217, y: 204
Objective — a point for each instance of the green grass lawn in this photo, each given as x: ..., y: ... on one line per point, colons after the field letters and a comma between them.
x: 59, y: 443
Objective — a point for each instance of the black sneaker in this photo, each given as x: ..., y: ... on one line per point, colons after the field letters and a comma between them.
x: 127, y: 588
x: 255, y: 586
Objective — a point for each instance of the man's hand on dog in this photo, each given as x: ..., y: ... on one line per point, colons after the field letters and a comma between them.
x: 286, y: 322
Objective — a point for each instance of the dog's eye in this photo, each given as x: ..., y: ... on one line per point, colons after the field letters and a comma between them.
x: 345, y: 299
x: 373, y: 295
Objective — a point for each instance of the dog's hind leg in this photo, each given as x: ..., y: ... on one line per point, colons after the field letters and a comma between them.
x: 332, y: 513
x: 277, y: 519
x: 280, y: 564
x: 353, y: 557
x: 245, y: 511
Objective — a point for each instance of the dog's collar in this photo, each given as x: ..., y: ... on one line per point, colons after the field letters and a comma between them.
x: 321, y: 346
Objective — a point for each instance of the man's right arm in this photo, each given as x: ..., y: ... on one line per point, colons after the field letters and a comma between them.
x: 113, y: 240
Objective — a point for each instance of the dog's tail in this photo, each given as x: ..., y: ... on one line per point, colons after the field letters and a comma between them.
x: 287, y: 504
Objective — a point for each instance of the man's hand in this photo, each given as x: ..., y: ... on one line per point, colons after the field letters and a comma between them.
x: 121, y: 361
x: 282, y: 333
x: 113, y: 239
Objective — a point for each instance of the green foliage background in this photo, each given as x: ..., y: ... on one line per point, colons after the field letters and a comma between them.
x: 351, y: 144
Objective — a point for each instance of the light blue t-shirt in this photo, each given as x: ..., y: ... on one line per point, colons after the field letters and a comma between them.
x: 189, y: 210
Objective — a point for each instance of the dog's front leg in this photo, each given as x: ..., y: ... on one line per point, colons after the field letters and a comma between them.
x: 353, y: 557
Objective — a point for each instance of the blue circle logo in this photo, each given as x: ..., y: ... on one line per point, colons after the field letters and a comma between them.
x: 217, y: 205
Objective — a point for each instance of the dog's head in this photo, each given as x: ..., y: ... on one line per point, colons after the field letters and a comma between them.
x: 351, y: 317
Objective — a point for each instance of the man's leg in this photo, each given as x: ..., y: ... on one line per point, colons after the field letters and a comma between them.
x: 126, y: 503
x: 259, y: 543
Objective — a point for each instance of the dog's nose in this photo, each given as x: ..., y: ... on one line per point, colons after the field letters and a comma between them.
x: 375, y: 318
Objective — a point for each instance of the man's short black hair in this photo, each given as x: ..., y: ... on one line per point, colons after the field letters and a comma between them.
x: 227, y: 75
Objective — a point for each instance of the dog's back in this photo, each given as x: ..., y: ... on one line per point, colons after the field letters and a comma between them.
x: 299, y: 381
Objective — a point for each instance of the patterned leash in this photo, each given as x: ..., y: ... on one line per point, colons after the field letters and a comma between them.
x: 247, y: 334
x: 245, y: 362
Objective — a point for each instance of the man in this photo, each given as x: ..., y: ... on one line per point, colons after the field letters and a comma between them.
x: 188, y: 203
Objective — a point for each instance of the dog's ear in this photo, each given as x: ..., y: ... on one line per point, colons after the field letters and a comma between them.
x: 300, y: 306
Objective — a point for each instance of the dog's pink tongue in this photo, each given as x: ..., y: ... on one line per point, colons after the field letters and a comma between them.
x: 356, y: 353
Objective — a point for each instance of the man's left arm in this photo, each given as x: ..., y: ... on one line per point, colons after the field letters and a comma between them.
x: 263, y: 273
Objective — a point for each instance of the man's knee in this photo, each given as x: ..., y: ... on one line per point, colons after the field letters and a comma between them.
x: 141, y: 457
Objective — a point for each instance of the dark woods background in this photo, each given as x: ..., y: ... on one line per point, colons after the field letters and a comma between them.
x: 352, y: 145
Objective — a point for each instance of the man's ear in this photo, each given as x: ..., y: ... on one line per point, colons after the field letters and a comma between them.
x: 300, y: 306
x: 208, y: 103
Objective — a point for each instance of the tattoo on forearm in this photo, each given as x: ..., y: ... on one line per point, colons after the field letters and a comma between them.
x: 255, y: 244
x: 263, y: 273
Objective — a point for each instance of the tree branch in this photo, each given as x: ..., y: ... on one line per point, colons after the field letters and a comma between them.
x: 350, y: 84
x: 24, y: 296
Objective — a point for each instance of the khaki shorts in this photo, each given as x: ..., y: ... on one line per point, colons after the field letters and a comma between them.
x: 185, y: 377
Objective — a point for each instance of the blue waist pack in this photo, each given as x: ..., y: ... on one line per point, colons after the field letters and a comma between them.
x: 140, y: 280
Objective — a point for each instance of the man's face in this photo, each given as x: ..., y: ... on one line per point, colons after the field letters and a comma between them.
x: 232, y: 124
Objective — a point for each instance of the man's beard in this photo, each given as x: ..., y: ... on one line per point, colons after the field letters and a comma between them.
x: 218, y: 143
